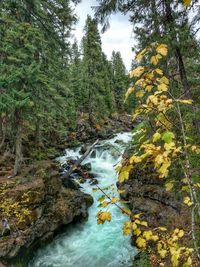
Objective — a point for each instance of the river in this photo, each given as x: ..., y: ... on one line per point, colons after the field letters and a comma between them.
x: 88, y: 244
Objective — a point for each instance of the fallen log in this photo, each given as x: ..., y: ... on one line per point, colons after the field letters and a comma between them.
x: 78, y: 162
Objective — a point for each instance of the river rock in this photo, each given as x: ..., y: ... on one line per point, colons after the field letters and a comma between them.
x: 70, y: 183
x: 50, y: 204
x: 84, y: 148
x: 86, y: 167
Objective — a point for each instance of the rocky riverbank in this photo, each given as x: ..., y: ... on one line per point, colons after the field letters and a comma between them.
x: 51, y: 206
x: 146, y: 194
x: 87, y: 132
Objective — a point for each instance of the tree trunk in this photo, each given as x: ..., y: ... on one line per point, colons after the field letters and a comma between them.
x: 180, y: 63
x: 38, y: 134
x: 18, y: 144
x: 90, y: 105
x: 155, y: 20
x: 2, y: 131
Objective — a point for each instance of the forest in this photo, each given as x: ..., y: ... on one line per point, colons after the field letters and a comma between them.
x: 59, y: 95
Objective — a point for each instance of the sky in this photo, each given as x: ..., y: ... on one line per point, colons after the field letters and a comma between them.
x: 118, y: 37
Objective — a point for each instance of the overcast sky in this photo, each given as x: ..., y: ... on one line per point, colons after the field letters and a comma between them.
x: 118, y: 37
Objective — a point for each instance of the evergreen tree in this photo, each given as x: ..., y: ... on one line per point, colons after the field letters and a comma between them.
x: 97, y: 94
x: 120, y: 80
x: 76, y: 77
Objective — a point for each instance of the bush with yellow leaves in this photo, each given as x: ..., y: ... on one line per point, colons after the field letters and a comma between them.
x: 14, y: 211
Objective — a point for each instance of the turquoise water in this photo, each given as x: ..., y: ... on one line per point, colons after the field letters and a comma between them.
x: 89, y: 244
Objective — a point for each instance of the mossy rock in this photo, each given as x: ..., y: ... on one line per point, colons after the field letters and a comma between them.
x: 141, y: 260
x: 89, y: 199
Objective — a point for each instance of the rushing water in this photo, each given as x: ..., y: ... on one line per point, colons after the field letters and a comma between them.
x: 89, y: 244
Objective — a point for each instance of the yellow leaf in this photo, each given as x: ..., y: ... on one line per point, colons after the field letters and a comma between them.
x: 139, y: 82
x: 154, y: 238
x: 161, y: 120
x: 164, y: 170
x: 169, y: 186
x: 127, y: 228
x: 185, y: 188
x: 154, y: 60
x: 140, y: 93
x: 193, y: 148
x: 147, y: 234
x: 185, y: 180
x: 127, y: 211
x: 114, y: 200
x: 159, y: 160
x: 162, y: 253
x: 134, y: 226
x: 156, y: 137
x: 137, y: 232
x: 103, y: 216
x: 140, y: 55
x: 162, y: 49
x: 123, y: 176
x: 187, y: 2
x: 197, y: 185
x: 181, y: 233
x: 162, y: 87
x: 163, y: 80
x: 137, y: 216
x: 187, y: 201
x: 137, y: 221
x: 143, y: 223
x: 135, y: 159
x: 129, y: 91
x: 137, y: 72
x: 121, y: 191
x: 175, y: 260
x: 185, y: 101
x: 141, y: 242
x: 148, y: 88
x: 189, y: 261
x: 176, y: 231
x: 149, y: 76
x: 159, y: 71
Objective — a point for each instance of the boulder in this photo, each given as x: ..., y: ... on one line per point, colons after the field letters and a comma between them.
x: 70, y: 183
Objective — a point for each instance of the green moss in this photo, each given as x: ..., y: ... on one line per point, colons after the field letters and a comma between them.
x: 142, y: 260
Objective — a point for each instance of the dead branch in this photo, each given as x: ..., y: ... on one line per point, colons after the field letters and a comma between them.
x: 78, y: 162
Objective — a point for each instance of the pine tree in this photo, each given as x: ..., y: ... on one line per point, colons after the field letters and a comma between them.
x: 97, y: 94
x: 120, y: 80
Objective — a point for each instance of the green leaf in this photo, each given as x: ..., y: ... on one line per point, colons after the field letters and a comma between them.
x: 102, y: 198
x: 168, y: 137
